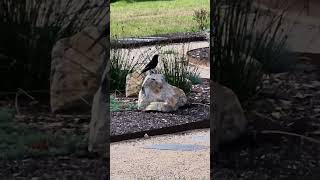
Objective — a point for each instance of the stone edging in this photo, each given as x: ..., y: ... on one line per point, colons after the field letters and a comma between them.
x: 161, y: 39
x: 165, y: 130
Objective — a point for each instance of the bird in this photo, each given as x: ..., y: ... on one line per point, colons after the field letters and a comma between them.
x: 151, y: 65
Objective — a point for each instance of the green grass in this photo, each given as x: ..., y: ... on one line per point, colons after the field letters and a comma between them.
x: 116, y: 105
x: 19, y: 141
x: 134, y: 19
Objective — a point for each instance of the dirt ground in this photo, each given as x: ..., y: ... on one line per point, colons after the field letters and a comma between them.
x: 283, y: 141
x: 82, y: 164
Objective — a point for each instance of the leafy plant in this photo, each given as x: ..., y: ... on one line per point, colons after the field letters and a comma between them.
x: 177, y: 71
x: 114, y: 104
x: 241, y: 33
x: 201, y: 16
x: 121, y: 65
x: 274, y: 55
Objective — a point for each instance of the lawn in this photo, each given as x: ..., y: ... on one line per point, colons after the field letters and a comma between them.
x: 142, y: 18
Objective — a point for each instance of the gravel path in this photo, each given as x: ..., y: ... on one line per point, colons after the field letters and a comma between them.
x: 131, y: 160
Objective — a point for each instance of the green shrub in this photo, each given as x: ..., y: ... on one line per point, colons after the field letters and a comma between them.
x: 177, y: 71
x: 201, y: 16
x: 241, y: 34
x: 114, y: 104
x: 121, y: 65
x: 274, y: 55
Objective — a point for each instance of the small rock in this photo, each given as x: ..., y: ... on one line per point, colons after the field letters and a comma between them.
x: 276, y: 115
x: 146, y: 135
x: 133, y: 84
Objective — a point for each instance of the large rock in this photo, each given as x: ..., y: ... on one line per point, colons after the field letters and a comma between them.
x: 157, y: 95
x: 133, y: 84
x: 98, y: 128
x: 230, y: 121
x: 74, y: 69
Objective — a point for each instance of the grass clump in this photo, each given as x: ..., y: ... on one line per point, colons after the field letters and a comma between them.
x: 274, y: 55
x: 122, y: 64
x: 114, y: 104
x: 244, y: 45
x: 177, y: 71
x: 29, y: 29
x: 201, y: 16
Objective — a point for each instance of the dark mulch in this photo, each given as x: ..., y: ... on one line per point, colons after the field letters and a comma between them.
x: 199, y: 56
x: 127, y: 122
x: 83, y: 165
x: 130, y: 122
x: 290, y: 102
x: 55, y: 168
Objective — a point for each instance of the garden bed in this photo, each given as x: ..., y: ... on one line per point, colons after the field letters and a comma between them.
x: 282, y: 117
x: 134, y: 124
x: 199, y: 56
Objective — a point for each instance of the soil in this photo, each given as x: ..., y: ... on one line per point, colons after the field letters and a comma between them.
x: 199, y: 56
x: 85, y: 165
x: 134, y: 124
x: 289, y: 103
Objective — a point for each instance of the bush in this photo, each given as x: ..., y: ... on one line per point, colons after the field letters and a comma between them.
x: 174, y: 66
x: 121, y: 65
x: 29, y: 30
x: 242, y: 41
x: 274, y: 55
x: 201, y: 16
x: 177, y: 71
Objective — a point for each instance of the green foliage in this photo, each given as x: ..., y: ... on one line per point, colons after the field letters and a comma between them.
x: 19, y: 141
x: 201, y: 16
x: 194, y: 78
x: 114, y: 104
x: 121, y: 65
x: 29, y: 29
x: 146, y: 17
x: 241, y: 34
x: 274, y: 55
x: 177, y: 71
x: 131, y: 107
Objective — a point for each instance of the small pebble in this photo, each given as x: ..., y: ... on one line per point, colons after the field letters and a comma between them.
x: 146, y: 135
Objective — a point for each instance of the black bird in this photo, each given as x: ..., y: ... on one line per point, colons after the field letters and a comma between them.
x: 151, y: 65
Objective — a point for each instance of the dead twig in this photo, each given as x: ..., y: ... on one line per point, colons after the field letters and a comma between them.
x: 21, y: 91
x: 85, y: 101
x: 206, y: 105
x: 290, y: 134
x: 263, y: 116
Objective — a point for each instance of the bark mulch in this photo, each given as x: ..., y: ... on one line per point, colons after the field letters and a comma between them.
x: 83, y: 165
x: 289, y: 103
x: 134, y: 124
